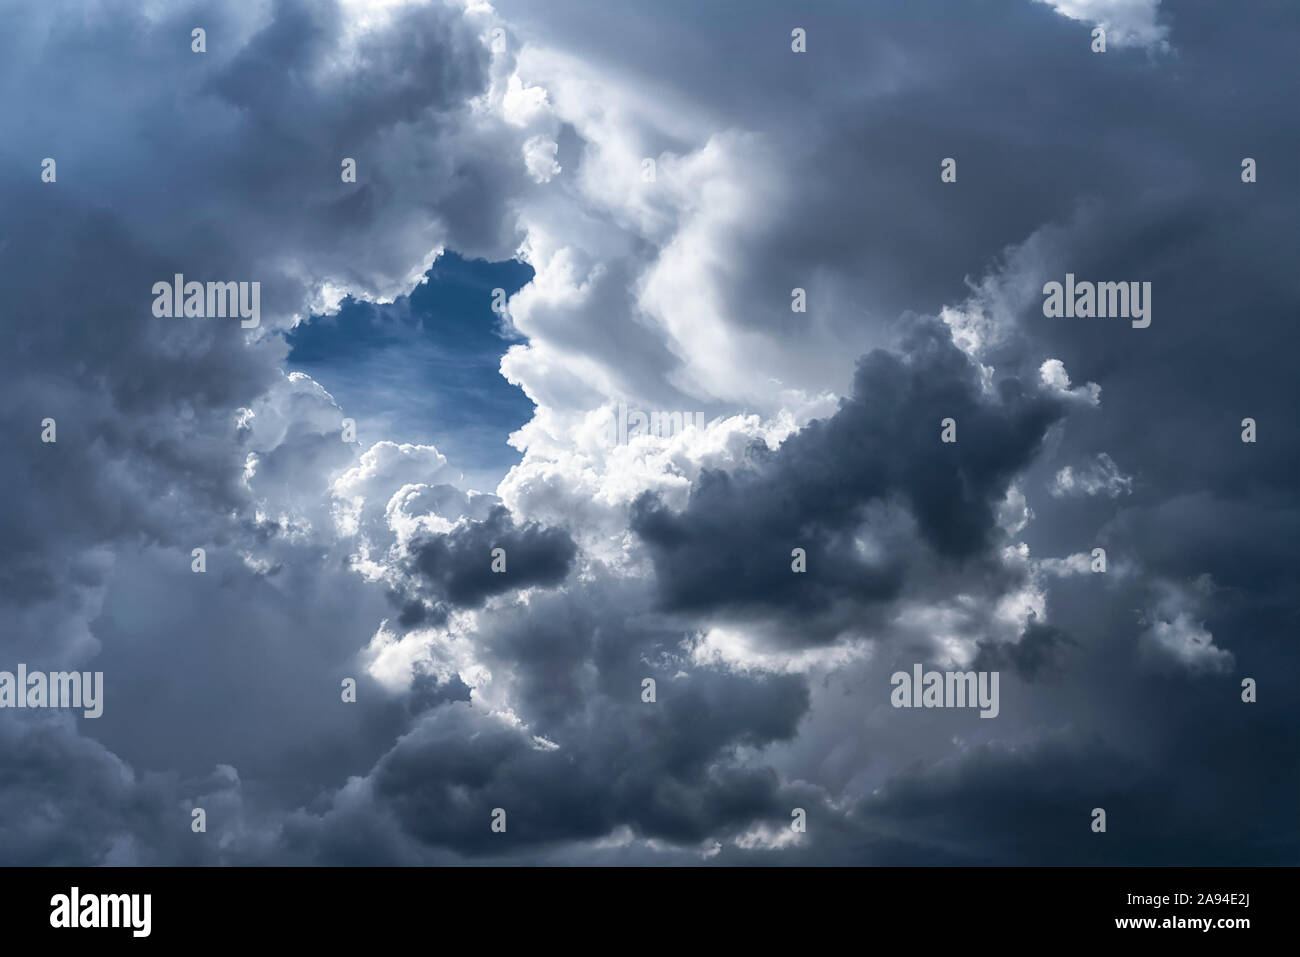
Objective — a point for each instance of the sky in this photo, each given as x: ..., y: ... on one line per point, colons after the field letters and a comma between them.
x: 442, y: 554
x: 424, y: 369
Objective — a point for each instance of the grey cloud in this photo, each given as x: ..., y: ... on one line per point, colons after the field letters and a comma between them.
x: 732, y: 543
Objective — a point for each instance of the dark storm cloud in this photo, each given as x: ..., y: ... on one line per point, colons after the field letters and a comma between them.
x: 732, y: 543
x: 1034, y: 805
x: 995, y: 804
x: 456, y: 568
x: 595, y: 759
x: 664, y: 769
x: 122, y: 462
x: 444, y: 65
x: 1041, y: 651
x: 104, y: 812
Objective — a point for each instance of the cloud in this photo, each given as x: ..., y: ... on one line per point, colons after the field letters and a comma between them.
x: 1053, y: 376
x: 1175, y: 637
x: 1127, y: 22
x: 539, y: 157
x: 1041, y: 650
x: 456, y: 567
x: 1101, y: 476
x: 731, y: 545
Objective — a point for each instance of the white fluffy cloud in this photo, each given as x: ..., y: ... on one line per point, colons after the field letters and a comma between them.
x: 1127, y: 22
x: 1053, y: 376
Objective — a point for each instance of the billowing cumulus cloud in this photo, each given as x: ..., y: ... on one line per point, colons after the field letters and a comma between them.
x: 733, y: 542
